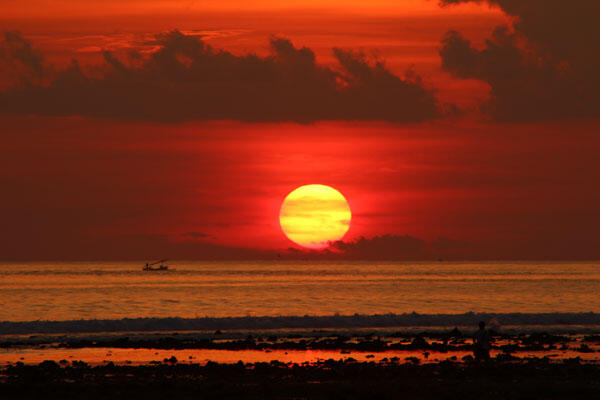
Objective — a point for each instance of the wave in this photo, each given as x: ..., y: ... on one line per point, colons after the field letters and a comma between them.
x: 407, y: 320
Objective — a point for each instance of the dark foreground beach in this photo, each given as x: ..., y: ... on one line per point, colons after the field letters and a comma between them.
x: 317, y: 364
x: 532, y: 379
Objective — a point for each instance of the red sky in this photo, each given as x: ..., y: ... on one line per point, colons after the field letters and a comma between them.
x: 87, y: 174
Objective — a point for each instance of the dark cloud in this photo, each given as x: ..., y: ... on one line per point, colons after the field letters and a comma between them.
x: 386, y: 247
x: 392, y: 247
x: 185, y: 79
x: 566, y: 29
x: 19, y: 60
x: 396, y: 247
x: 545, y: 67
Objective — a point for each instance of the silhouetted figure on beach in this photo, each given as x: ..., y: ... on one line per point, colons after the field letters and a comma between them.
x: 481, y: 343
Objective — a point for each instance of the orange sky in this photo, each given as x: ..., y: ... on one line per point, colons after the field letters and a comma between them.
x: 119, y: 184
x: 100, y: 184
x: 403, y: 33
x: 89, y: 8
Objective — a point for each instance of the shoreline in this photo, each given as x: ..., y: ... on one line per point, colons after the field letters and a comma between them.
x: 296, y: 346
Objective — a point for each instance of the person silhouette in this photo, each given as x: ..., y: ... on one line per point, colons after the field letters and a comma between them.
x: 481, y: 343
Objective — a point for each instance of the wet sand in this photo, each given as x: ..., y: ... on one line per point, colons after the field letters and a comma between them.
x: 291, y: 347
x: 127, y: 356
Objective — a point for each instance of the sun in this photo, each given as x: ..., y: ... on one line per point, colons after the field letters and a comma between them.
x: 315, y: 215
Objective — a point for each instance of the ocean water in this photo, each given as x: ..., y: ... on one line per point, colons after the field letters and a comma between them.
x: 116, y: 290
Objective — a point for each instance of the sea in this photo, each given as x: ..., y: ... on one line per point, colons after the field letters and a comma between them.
x: 105, y: 296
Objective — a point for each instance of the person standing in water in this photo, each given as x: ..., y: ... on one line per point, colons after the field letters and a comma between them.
x: 481, y: 343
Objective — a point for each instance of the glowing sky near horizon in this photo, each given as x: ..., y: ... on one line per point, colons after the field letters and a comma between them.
x: 135, y: 149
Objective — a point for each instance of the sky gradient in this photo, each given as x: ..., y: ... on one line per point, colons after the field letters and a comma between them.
x: 455, y: 130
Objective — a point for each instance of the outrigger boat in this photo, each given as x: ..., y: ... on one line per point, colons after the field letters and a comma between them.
x: 160, y: 267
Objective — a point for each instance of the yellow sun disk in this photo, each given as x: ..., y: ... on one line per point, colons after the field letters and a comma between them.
x: 314, y: 215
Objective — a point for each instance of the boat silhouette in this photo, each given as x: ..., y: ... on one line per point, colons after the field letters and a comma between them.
x: 160, y: 267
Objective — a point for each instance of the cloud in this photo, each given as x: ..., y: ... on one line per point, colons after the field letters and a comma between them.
x: 565, y: 29
x: 385, y: 247
x: 186, y: 79
x: 397, y: 247
x: 19, y: 60
x: 544, y: 67
x: 391, y: 247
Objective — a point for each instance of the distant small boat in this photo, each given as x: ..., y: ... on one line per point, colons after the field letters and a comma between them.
x: 160, y: 267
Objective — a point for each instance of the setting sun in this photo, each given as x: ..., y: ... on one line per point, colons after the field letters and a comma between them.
x: 314, y: 215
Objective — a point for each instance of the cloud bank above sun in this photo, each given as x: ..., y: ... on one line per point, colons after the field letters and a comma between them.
x: 541, y: 63
x: 542, y: 67
x: 186, y: 79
